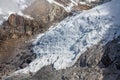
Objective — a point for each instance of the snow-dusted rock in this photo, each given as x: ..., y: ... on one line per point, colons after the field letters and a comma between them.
x: 14, y: 6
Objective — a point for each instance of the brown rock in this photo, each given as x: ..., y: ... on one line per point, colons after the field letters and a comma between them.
x: 81, y: 7
x: 39, y: 9
x: 21, y: 25
x: 16, y: 20
x: 57, y: 13
x: 15, y: 36
x: 28, y: 22
x: 12, y: 20
x: 29, y: 33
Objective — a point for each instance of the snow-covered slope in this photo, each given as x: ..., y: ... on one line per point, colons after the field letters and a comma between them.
x: 62, y: 45
x: 69, y: 4
x: 12, y: 6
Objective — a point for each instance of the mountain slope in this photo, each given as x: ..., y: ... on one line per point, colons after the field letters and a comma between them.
x: 69, y: 5
x: 62, y: 45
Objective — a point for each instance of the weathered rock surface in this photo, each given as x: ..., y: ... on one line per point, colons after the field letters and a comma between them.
x: 43, y: 11
x: 14, y: 55
x: 79, y: 5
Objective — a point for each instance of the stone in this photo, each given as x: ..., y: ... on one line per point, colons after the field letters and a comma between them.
x: 14, y: 36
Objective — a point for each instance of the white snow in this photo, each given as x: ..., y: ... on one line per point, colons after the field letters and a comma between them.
x: 62, y: 45
x: 72, y: 3
x: 50, y: 1
x: 12, y: 6
x: 90, y: 1
x: 69, y: 6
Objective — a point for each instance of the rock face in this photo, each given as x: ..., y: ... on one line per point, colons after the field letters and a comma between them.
x: 22, y: 25
x: 112, y: 54
x: 39, y: 9
x: 57, y: 13
x: 18, y: 26
x: 42, y: 10
x: 14, y: 55
x: 79, y: 5
x: 14, y: 49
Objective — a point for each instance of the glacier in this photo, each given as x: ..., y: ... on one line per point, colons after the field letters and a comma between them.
x: 63, y: 44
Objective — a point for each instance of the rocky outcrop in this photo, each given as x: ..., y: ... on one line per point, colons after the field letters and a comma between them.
x: 22, y: 25
x: 79, y: 5
x: 111, y: 56
x: 42, y: 10
x: 14, y: 49
x: 17, y: 26
x: 57, y: 13
x: 14, y: 55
